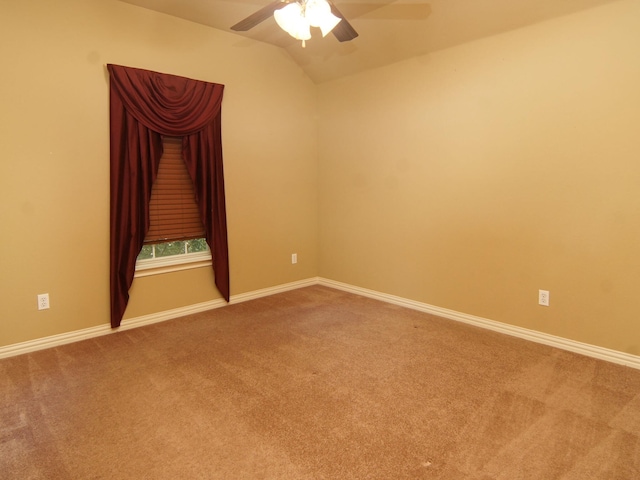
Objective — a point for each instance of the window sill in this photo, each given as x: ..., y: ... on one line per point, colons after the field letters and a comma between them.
x: 145, y: 268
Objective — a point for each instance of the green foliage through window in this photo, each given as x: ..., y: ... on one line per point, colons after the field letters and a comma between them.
x: 168, y: 249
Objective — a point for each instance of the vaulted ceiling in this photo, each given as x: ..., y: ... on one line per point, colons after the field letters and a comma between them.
x: 389, y: 30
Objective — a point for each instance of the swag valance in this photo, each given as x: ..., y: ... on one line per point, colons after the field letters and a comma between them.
x: 145, y: 105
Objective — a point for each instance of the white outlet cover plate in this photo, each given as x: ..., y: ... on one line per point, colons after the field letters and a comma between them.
x: 543, y: 297
x: 43, y: 301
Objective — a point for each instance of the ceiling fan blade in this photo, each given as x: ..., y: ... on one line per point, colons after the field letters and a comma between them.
x: 259, y: 16
x: 344, y: 32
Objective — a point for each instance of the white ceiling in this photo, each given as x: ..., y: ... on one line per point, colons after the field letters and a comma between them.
x: 389, y: 30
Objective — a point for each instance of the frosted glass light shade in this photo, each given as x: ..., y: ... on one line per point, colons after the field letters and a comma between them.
x: 318, y: 13
x: 315, y: 11
x: 328, y: 23
x: 292, y: 21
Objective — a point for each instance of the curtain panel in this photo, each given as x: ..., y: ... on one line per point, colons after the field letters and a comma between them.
x: 145, y: 105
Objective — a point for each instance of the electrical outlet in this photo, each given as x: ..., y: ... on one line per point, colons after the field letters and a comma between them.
x: 43, y: 301
x: 294, y: 258
x: 543, y: 297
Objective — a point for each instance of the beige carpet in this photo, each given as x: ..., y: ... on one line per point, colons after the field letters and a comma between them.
x: 316, y: 384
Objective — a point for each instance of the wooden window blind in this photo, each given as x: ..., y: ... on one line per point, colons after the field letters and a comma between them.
x: 173, y: 211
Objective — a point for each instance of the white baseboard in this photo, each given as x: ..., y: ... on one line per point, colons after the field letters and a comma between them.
x: 601, y: 353
x: 593, y: 351
x: 265, y: 292
x: 129, y: 323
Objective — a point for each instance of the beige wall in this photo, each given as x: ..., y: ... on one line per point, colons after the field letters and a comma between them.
x: 467, y: 179
x: 54, y: 176
x: 471, y: 178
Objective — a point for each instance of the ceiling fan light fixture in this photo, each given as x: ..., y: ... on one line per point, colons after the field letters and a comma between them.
x: 296, y: 18
x: 291, y: 19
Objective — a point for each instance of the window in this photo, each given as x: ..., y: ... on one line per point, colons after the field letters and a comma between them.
x: 173, y: 256
x: 175, y: 240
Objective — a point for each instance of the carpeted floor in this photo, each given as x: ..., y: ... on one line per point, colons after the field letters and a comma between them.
x: 316, y: 384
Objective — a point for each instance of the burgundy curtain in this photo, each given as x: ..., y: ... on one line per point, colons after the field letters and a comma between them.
x: 145, y: 105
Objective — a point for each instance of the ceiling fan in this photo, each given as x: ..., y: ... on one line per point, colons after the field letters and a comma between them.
x: 296, y: 16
